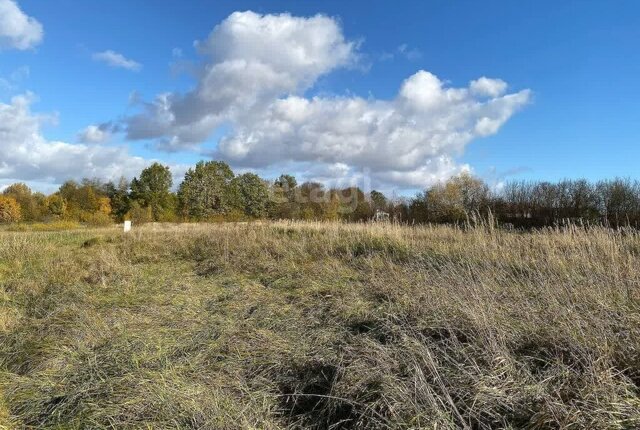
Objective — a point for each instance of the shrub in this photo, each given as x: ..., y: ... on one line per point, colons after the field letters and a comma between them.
x: 99, y: 219
x: 235, y: 215
x: 139, y: 214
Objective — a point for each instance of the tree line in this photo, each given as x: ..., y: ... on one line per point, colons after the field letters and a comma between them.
x: 612, y: 202
x: 210, y: 191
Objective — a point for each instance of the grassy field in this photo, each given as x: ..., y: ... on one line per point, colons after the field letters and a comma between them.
x: 327, y: 326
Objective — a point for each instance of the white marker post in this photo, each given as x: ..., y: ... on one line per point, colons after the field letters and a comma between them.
x: 127, y: 226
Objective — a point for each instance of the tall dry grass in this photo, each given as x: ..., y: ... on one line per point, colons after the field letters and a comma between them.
x: 314, y: 325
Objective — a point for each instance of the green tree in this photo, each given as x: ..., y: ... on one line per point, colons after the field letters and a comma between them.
x: 206, y: 190
x: 379, y: 201
x: 68, y: 191
x: 82, y: 199
x: 119, y: 195
x: 355, y: 206
x: 253, y: 194
x: 56, y: 205
x: 283, y: 203
x: 287, y: 185
x: 153, y: 190
x: 41, y: 208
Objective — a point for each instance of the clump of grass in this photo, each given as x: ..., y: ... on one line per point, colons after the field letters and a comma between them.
x: 319, y: 325
x: 97, y: 240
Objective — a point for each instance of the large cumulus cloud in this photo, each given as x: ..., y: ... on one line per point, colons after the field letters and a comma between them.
x: 256, y: 72
x: 251, y: 59
x: 419, y: 130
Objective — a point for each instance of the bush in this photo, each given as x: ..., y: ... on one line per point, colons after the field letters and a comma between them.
x: 168, y: 216
x: 99, y: 219
x: 235, y: 215
x: 139, y: 214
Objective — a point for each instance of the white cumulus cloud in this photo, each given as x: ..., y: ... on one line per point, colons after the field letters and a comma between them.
x: 251, y: 59
x: 257, y: 69
x: 26, y: 155
x: 488, y: 87
x: 17, y: 30
x: 115, y: 59
x: 402, y: 140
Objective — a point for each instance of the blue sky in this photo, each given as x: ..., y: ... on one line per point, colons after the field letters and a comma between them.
x: 578, y: 59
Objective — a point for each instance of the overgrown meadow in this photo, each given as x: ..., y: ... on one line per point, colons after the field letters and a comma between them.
x: 288, y: 325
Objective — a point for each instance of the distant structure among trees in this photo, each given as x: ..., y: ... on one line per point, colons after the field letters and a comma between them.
x: 381, y: 216
x: 210, y: 191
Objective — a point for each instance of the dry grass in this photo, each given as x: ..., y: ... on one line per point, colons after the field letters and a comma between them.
x: 61, y: 225
x: 302, y: 325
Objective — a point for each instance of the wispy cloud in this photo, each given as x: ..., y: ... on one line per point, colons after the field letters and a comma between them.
x: 115, y: 59
x: 403, y: 51
x: 12, y: 82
